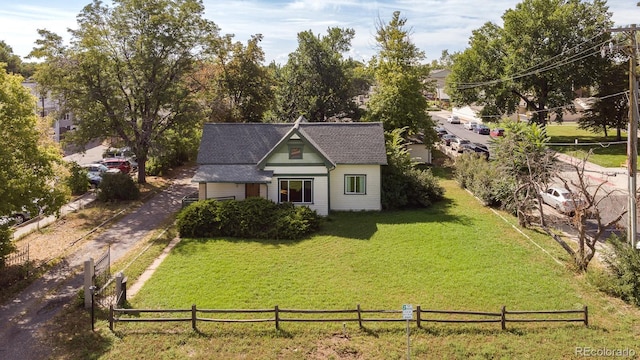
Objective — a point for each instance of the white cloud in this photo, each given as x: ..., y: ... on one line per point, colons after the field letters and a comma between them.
x: 436, y: 24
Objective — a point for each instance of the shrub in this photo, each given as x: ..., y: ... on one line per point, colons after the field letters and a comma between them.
x: 200, y: 219
x: 483, y: 179
x: 77, y: 180
x: 117, y: 186
x: 249, y: 218
x: 154, y: 167
x: 404, y: 185
x: 624, y: 264
x: 6, y: 243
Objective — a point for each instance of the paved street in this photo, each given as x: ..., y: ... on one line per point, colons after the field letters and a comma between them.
x: 614, y: 180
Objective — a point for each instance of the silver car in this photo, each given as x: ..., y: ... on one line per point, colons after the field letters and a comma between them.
x: 562, y: 200
x: 456, y: 144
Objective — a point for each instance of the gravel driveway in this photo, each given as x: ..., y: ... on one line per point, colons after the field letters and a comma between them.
x: 23, y: 317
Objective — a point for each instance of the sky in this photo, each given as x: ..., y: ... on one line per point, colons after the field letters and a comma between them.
x: 435, y: 25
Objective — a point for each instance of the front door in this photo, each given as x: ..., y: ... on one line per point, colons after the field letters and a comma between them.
x: 251, y: 190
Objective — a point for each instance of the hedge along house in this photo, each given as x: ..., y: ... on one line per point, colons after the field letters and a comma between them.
x: 326, y: 166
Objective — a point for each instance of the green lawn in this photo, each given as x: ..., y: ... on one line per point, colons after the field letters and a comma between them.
x: 607, y: 155
x: 456, y: 255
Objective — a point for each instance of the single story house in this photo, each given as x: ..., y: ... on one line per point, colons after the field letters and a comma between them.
x: 326, y: 166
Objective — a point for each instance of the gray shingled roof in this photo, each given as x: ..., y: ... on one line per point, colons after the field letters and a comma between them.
x: 247, y: 143
x: 231, y: 174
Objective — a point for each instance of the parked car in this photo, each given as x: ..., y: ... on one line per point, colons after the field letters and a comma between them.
x: 124, y: 165
x: 496, y: 132
x: 117, y: 152
x: 96, y: 169
x: 446, y: 139
x: 477, y: 149
x: 471, y: 125
x: 95, y: 179
x: 456, y: 144
x: 441, y: 131
x: 562, y: 200
x: 482, y: 129
x: 453, y: 119
x: 20, y: 217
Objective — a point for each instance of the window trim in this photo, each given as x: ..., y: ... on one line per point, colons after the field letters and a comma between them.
x: 293, y: 156
x: 356, y: 176
x: 288, y: 180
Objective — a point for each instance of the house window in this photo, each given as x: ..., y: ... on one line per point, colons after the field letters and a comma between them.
x: 295, y: 151
x: 296, y: 190
x: 355, y: 184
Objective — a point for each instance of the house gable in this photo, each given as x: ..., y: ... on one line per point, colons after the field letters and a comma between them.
x: 296, y: 148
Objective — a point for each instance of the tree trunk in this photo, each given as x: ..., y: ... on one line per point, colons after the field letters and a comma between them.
x: 142, y: 172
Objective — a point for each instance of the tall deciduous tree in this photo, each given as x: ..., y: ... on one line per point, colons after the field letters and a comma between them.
x: 30, y: 163
x: 315, y: 82
x: 238, y: 85
x: 125, y: 73
x: 611, y: 108
x: 398, y: 100
x: 545, y: 50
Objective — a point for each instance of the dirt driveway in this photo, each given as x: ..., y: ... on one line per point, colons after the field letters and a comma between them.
x: 22, y: 318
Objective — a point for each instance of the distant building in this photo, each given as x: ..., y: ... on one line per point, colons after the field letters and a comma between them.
x: 439, y: 77
x: 47, y: 106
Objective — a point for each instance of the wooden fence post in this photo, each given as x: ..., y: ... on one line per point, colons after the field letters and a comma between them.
x: 88, y: 282
x: 418, y: 320
x: 111, y: 317
x: 586, y: 316
x: 359, y: 317
x: 277, y: 318
x: 193, y: 317
x: 503, y: 319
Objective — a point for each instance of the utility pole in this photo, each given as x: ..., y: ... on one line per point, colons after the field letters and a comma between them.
x: 632, y: 136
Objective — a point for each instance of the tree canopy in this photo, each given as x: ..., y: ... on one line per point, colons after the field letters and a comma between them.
x: 316, y: 82
x: 125, y: 73
x: 610, y: 110
x: 545, y: 51
x: 30, y: 163
x: 14, y: 65
x: 398, y: 100
x: 238, y: 88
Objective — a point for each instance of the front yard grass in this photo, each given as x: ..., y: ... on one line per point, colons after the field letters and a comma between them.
x: 457, y: 255
x: 613, y: 155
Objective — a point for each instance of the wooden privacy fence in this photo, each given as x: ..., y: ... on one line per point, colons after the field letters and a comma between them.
x: 351, y: 315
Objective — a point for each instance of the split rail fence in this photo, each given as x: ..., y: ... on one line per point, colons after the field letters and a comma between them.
x: 358, y: 315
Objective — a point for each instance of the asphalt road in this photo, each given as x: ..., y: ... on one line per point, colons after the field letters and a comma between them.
x: 23, y: 318
x: 612, y: 196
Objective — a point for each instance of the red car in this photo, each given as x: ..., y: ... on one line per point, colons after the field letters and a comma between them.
x: 496, y: 132
x: 118, y: 163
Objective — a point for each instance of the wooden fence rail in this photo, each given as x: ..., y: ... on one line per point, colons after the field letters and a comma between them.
x: 503, y: 317
x: 18, y: 258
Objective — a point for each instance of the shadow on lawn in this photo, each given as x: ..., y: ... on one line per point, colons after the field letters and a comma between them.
x: 363, y: 225
x: 358, y: 225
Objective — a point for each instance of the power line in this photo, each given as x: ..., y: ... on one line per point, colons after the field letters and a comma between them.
x: 589, y: 51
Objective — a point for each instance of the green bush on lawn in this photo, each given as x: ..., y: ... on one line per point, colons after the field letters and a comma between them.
x: 117, y: 186
x: 250, y: 218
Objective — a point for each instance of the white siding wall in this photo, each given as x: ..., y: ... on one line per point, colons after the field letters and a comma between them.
x: 342, y: 201
x: 215, y: 190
